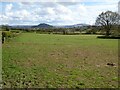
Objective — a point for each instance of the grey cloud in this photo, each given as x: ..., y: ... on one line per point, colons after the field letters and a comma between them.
x: 28, y: 3
x: 68, y: 3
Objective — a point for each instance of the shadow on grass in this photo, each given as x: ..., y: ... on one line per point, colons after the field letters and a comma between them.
x: 108, y: 37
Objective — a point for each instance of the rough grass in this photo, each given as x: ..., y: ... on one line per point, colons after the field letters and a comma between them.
x: 60, y: 61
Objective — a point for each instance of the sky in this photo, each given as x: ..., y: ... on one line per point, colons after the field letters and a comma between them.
x: 53, y: 12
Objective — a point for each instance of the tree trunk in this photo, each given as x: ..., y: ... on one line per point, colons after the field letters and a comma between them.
x: 108, y: 32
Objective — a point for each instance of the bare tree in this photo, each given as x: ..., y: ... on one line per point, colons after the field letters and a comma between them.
x: 107, y: 20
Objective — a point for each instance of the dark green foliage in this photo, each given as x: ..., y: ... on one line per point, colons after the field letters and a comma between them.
x: 15, y: 31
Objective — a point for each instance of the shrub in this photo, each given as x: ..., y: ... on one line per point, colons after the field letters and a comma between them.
x: 6, y: 34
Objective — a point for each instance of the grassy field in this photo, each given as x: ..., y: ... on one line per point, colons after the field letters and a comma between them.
x: 60, y: 61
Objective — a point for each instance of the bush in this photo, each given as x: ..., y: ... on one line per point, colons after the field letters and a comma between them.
x: 6, y: 34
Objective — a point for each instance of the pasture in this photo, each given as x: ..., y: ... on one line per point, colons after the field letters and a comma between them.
x: 59, y: 61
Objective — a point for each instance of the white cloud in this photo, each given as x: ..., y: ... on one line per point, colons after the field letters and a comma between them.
x: 56, y: 12
x: 8, y: 7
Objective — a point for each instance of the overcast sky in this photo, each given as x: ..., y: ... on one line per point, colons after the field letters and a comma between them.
x: 54, y: 13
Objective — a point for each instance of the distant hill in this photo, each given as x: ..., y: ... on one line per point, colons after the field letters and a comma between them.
x: 43, y: 25
x: 22, y: 26
x: 73, y: 26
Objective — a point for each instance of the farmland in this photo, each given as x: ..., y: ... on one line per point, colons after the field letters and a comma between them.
x: 59, y: 61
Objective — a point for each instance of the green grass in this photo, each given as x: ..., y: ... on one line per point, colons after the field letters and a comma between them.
x: 60, y: 61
